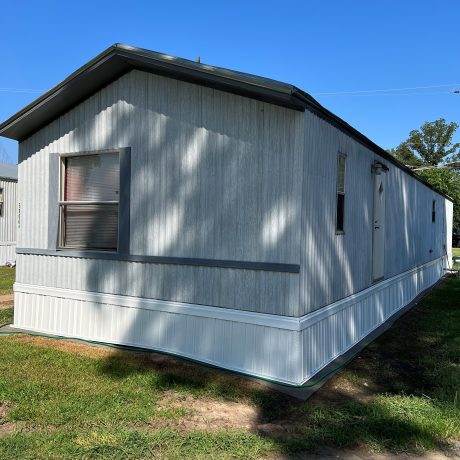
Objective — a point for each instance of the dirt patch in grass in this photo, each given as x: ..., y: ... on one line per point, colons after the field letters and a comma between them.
x: 4, y: 409
x: 69, y: 346
x: 204, y: 413
x: 188, y: 413
x: 6, y: 428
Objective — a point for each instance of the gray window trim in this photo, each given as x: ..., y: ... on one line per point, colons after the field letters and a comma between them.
x: 124, y: 202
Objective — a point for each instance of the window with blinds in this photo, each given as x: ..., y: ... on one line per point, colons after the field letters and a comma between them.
x: 340, y: 205
x: 90, y: 201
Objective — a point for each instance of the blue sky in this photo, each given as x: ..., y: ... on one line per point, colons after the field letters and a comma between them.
x: 320, y: 46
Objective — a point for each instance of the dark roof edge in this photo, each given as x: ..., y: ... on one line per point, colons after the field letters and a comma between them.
x: 262, y: 88
x: 318, y: 109
x: 55, y: 89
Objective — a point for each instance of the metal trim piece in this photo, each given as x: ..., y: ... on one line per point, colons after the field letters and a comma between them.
x: 213, y: 263
x: 227, y: 314
x: 124, y: 200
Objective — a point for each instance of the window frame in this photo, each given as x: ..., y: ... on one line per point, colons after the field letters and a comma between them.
x: 2, y: 201
x: 340, y: 156
x: 124, y: 161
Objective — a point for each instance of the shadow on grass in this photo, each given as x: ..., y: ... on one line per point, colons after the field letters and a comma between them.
x: 399, y: 394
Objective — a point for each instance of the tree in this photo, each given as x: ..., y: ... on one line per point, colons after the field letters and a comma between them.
x: 430, y: 146
x: 432, y: 143
x: 404, y: 154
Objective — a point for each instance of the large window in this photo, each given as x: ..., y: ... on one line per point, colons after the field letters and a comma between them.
x: 340, y: 206
x: 89, y: 205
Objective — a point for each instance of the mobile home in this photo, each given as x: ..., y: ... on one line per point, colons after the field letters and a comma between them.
x: 8, y: 212
x: 214, y: 215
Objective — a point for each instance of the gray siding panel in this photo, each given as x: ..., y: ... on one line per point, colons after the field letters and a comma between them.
x: 213, y: 176
x: 8, y: 222
x: 336, y: 266
x: 249, y: 290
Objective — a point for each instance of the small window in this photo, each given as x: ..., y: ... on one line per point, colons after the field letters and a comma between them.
x: 433, y: 211
x: 340, y: 211
x: 90, y: 201
x: 2, y: 202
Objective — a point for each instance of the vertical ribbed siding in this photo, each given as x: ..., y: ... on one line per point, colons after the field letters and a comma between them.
x: 264, y: 351
x: 340, y: 330
x: 8, y: 222
x: 290, y: 353
x: 252, y: 290
x: 214, y: 175
x: 336, y: 266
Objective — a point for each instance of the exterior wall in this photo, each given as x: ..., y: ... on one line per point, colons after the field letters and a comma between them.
x: 289, y: 350
x: 449, y: 222
x: 8, y: 222
x: 221, y: 177
x: 334, y: 266
x: 213, y: 175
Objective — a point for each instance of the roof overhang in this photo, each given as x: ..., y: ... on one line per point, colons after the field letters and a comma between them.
x: 119, y: 59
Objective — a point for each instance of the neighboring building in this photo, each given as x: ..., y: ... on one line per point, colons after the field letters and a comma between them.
x: 215, y: 215
x: 8, y: 212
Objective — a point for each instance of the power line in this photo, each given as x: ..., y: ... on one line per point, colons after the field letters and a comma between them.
x: 20, y: 90
x: 386, y: 94
x: 385, y: 90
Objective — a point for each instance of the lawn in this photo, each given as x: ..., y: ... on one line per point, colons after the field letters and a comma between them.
x: 62, y: 399
x: 7, y: 277
x: 456, y: 252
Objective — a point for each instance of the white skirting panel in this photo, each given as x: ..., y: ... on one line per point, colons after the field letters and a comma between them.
x: 7, y: 252
x: 284, y: 349
x: 333, y: 330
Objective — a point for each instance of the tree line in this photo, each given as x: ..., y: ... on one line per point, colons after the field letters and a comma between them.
x: 431, y: 152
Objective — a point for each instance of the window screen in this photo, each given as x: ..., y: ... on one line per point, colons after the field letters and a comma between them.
x: 89, y: 208
x: 340, y: 209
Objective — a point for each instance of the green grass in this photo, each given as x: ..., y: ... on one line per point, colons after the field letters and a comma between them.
x: 7, y: 277
x: 68, y: 404
x: 6, y: 316
x: 456, y: 253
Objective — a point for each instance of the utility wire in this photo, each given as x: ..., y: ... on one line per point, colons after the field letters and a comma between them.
x: 20, y: 90
x: 385, y: 94
x: 385, y: 90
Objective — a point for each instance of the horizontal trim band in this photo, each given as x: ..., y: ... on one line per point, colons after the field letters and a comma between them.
x: 167, y: 306
x: 7, y: 243
x: 226, y: 314
x: 84, y: 203
x: 311, y: 318
x: 214, y: 263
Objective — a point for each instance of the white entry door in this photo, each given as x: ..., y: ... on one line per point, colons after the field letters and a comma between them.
x: 378, y: 240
